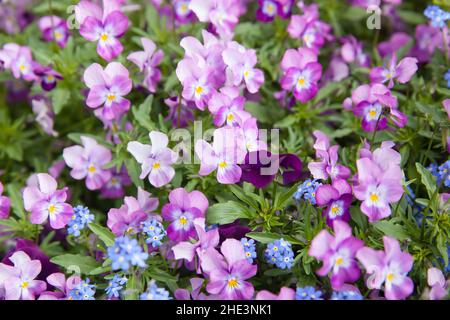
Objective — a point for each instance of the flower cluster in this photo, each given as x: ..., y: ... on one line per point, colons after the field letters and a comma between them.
x: 83, y: 291
x: 154, y: 232
x: 307, y: 191
x: 126, y: 252
x: 155, y: 293
x: 115, y: 286
x: 250, y: 249
x: 80, y: 219
x: 280, y: 254
x: 437, y: 16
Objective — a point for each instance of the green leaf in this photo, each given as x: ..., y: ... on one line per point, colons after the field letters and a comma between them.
x: 390, y: 229
x: 282, y: 199
x: 240, y: 194
x: 15, y: 197
x: 60, y: 97
x: 142, y: 113
x: 103, y: 233
x: 76, y: 263
x: 266, y: 237
x: 427, y: 180
x: 134, y: 171
x: 223, y: 213
x: 327, y: 91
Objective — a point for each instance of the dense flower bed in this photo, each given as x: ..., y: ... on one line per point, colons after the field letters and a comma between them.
x: 224, y: 149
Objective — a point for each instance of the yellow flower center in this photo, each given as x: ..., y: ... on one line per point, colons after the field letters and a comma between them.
x: 24, y: 285
x: 270, y: 8
x: 222, y: 164
x: 104, y: 36
x: 233, y: 283
x: 183, y: 220
x: 51, y: 209
x: 372, y: 113
x: 199, y: 90
x: 92, y: 169
x: 184, y: 8
x: 50, y: 78
x: 129, y: 230
x: 246, y: 74
x: 334, y: 209
x: 58, y: 35
x: 22, y: 67
x: 156, y: 165
x: 390, y: 277
x: 111, y: 97
x: 374, y: 197
x: 230, y: 117
x: 301, y: 81
x: 339, y: 261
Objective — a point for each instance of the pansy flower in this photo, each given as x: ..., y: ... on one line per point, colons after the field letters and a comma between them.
x: 337, y: 254
x: 301, y: 72
x: 182, y: 210
x: 107, y: 88
x: 388, y: 269
x: 46, y: 202
x: 156, y: 160
x: 88, y: 162
x: 54, y: 28
x: 102, y: 25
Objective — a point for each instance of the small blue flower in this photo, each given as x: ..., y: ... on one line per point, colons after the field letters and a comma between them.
x: 280, y: 254
x: 83, y: 291
x: 115, y: 285
x: 155, y: 293
x: 155, y: 232
x: 346, y: 295
x: 447, y: 78
x: 437, y: 16
x: 249, y: 248
x: 80, y: 219
x: 308, y: 293
x: 126, y: 252
x: 444, y: 174
x: 307, y: 191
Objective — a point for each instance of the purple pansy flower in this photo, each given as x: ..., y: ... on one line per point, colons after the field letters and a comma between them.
x: 439, y: 286
x: 228, y: 271
x: 379, y: 182
x: 88, y: 161
x: 19, y: 60
x: 389, y: 267
x: 114, y: 188
x: 337, y: 254
x: 328, y: 155
x: 285, y: 294
x: 301, y: 73
x: 182, y: 12
x: 183, y: 209
x: 107, y: 89
x: 402, y: 72
x: 35, y: 253
x: 225, y: 155
x: 18, y: 281
x: 338, y: 198
x: 104, y: 26
x: 147, y: 62
x: 47, y: 77
x: 227, y: 107
x: 5, y: 204
x: 241, y: 67
x: 64, y: 286
x: 267, y: 10
x: 190, y: 251
x: 156, y: 159
x: 261, y: 167
x: 197, y: 82
x: 45, y: 116
x: 128, y: 218
x: 46, y: 202
x: 54, y: 28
